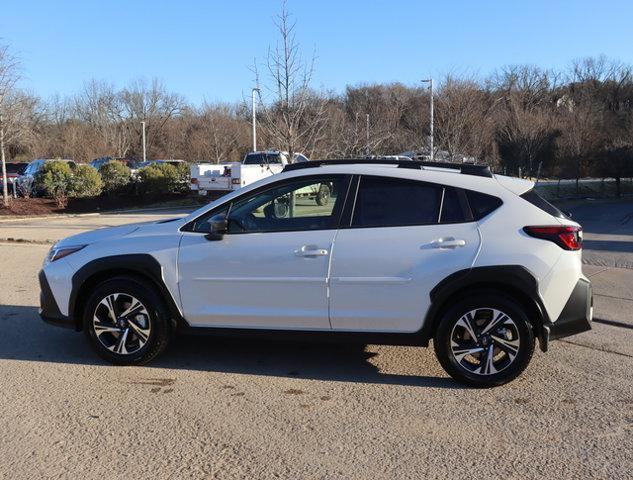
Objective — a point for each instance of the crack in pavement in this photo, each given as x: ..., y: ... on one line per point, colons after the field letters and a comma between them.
x: 596, y: 348
x: 612, y: 296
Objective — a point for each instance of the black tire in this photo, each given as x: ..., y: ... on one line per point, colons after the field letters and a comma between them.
x: 509, y: 333
x: 323, y: 196
x: 155, y: 313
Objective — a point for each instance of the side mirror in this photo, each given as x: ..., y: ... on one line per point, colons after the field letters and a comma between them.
x: 218, y: 226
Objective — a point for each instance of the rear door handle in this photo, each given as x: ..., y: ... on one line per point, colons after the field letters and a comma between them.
x: 448, y: 242
x: 311, y: 251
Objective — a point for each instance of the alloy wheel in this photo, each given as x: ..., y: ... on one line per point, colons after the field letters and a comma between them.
x: 121, y: 323
x: 485, y: 341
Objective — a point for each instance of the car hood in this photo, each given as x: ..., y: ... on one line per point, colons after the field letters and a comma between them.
x: 101, y: 234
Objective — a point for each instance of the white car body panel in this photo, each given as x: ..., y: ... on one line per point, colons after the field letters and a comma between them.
x: 255, y: 280
x: 382, y: 284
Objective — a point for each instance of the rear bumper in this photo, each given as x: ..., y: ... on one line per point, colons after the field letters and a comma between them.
x: 576, y: 316
x: 49, y: 311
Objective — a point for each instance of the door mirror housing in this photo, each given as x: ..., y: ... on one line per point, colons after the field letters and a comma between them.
x: 218, y: 226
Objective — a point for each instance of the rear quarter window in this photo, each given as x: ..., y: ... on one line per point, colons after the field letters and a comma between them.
x: 482, y: 204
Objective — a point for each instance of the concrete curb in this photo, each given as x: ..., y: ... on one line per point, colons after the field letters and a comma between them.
x: 95, y: 214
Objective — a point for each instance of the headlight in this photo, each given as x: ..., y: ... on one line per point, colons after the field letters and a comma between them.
x: 55, y: 253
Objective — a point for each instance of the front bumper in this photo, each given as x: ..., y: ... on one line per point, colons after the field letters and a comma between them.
x: 49, y: 311
x: 576, y: 316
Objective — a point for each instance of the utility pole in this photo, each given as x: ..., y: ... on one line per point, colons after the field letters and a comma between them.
x: 5, y: 190
x: 253, y: 105
x: 144, y: 151
x: 367, y: 151
x: 430, y: 82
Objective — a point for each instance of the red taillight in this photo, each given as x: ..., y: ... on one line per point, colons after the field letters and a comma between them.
x: 194, y: 180
x: 566, y: 237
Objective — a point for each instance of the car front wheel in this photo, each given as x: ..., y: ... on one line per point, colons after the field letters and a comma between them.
x: 484, y: 341
x: 126, y: 322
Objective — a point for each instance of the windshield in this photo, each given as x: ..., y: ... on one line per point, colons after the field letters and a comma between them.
x: 261, y: 158
x: 15, y: 167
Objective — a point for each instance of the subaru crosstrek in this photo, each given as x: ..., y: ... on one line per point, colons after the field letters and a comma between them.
x: 401, y: 252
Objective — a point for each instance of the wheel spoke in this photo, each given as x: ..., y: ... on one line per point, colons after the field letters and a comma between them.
x: 101, y: 328
x: 141, y: 333
x: 467, y: 322
x: 135, y: 305
x: 488, y: 366
x: 110, y: 303
x: 511, y: 347
x: 497, y: 318
x: 460, y: 352
x: 119, y: 346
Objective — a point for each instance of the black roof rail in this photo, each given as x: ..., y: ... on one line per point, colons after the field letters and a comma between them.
x: 465, y: 168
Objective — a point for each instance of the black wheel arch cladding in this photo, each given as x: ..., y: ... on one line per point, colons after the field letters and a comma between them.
x: 98, y: 270
x: 515, y: 281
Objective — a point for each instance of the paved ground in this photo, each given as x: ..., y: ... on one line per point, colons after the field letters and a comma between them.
x: 217, y: 409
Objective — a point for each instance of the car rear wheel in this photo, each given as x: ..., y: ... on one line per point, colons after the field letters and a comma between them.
x: 484, y: 341
x: 126, y: 321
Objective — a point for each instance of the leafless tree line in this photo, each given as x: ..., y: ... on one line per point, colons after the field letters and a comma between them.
x: 573, y: 123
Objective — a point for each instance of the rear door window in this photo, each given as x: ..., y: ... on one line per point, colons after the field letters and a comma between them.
x: 393, y: 202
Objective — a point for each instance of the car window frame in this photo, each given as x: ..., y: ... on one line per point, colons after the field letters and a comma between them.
x: 350, y: 206
x: 337, y: 213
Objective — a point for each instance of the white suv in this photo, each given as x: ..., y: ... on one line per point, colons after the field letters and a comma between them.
x: 403, y: 252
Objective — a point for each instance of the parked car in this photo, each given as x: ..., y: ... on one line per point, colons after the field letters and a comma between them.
x: 147, y: 163
x: 25, y: 182
x: 226, y: 177
x: 99, y: 162
x: 14, y: 170
x: 403, y: 253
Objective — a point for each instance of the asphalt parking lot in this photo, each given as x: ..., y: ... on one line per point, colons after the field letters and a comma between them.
x: 216, y: 409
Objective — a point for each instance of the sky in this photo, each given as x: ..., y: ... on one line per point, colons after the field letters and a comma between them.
x: 204, y: 49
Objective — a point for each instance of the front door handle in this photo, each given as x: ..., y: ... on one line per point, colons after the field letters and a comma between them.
x: 311, y: 251
x: 448, y: 242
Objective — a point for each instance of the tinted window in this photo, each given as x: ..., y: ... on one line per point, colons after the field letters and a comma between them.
x: 535, y: 199
x: 452, y: 210
x: 482, y: 204
x: 262, y: 158
x: 389, y: 202
x: 15, y: 167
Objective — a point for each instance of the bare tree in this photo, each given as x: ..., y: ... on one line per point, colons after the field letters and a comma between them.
x: 8, y: 79
x: 153, y: 104
x: 295, y: 116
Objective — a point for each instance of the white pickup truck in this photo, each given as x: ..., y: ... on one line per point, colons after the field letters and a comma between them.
x: 226, y: 177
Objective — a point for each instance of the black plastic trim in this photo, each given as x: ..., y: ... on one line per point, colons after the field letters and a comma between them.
x: 516, y: 278
x: 576, y: 315
x: 464, y: 168
x: 49, y: 310
x: 376, y: 338
x: 141, y: 264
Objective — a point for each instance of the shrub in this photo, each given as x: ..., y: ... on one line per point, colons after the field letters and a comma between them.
x: 54, y: 178
x: 158, y: 179
x: 184, y: 178
x: 85, y: 182
x: 115, y: 177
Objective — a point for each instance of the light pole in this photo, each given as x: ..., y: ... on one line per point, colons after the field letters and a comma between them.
x: 253, y: 103
x: 367, y: 134
x: 430, y: 82
x: 144, y: 150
